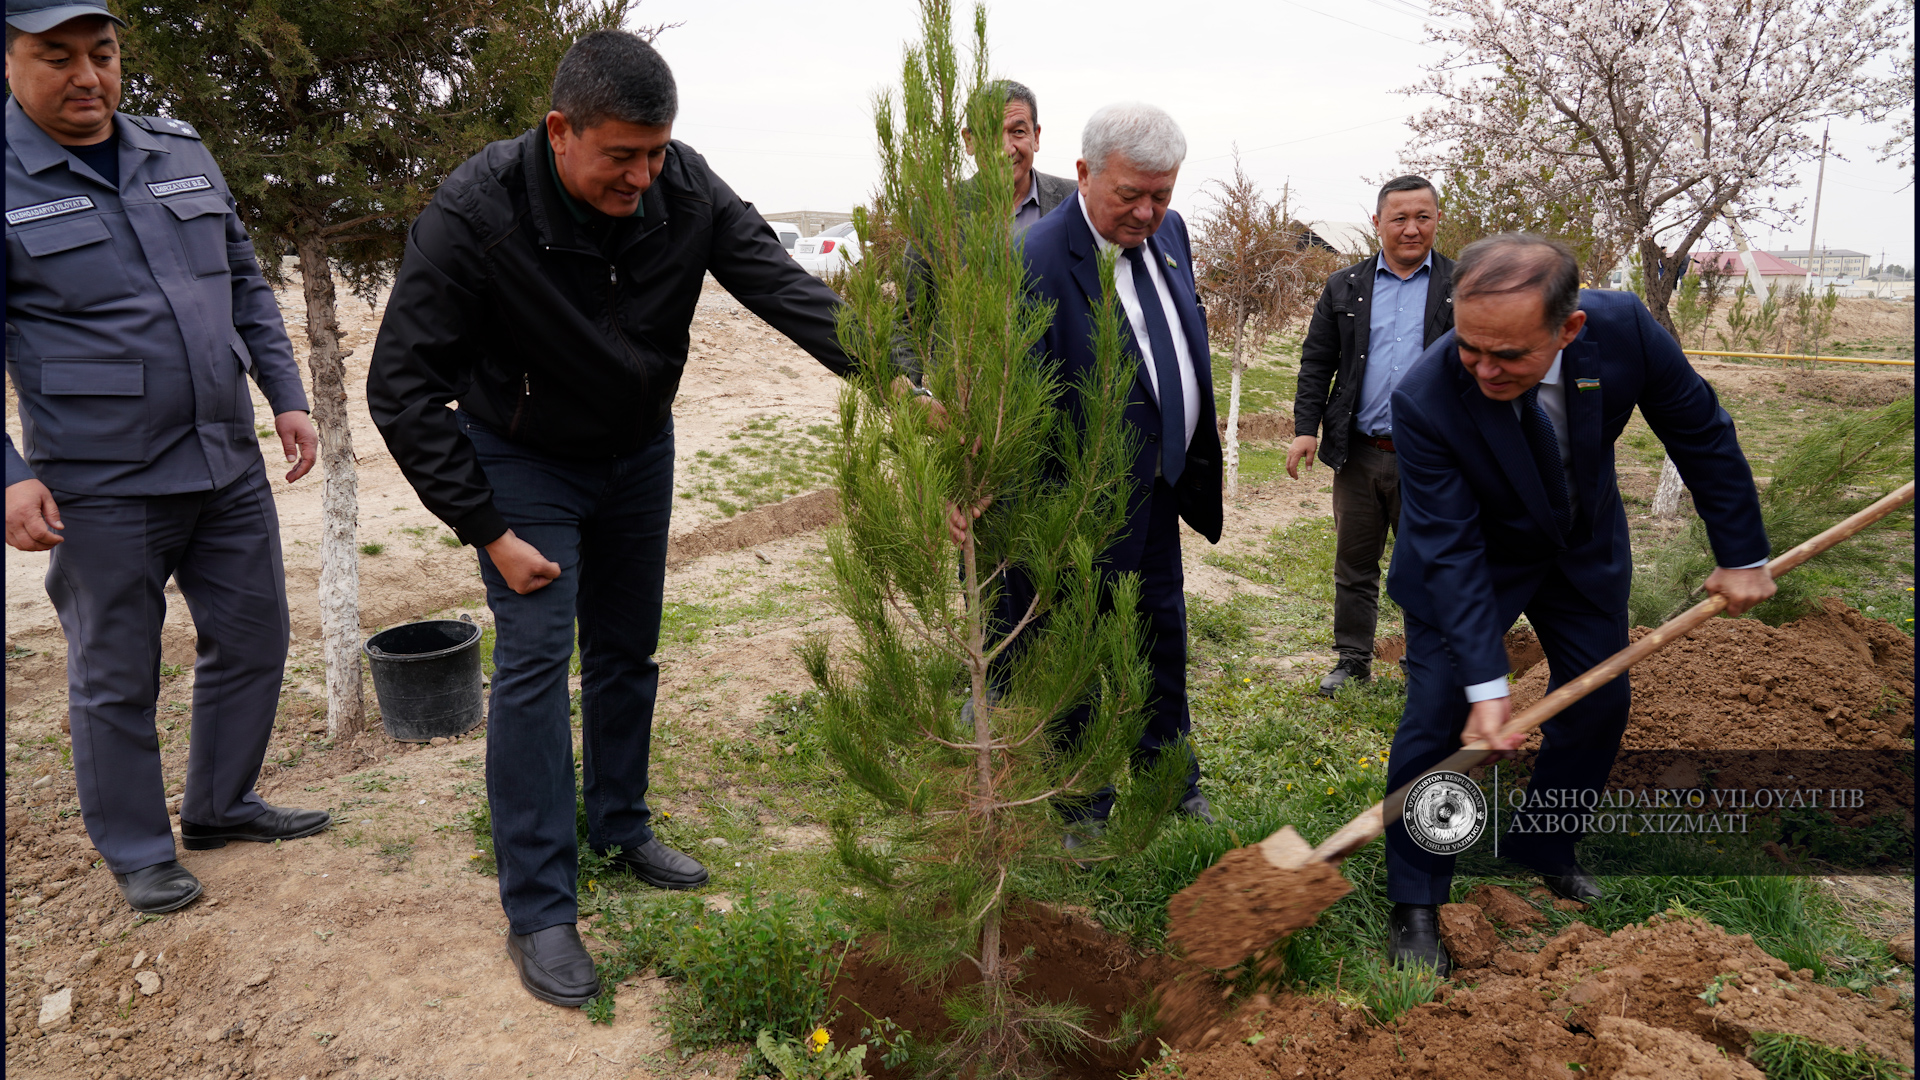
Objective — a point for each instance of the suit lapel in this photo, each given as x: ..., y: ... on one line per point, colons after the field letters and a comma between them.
x: 1086, y: 274
x: 1439, y: 296
x: 1581, y: 361
x: 1188, y: 307
x: 1501, y: 429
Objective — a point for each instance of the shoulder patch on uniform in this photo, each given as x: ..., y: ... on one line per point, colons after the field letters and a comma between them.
x: 163, y: 188
x: 69, y: 205
x: 166, y: 125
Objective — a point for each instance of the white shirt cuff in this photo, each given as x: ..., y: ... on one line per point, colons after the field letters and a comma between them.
x: 1487, y: 691
x: 1749, y: 566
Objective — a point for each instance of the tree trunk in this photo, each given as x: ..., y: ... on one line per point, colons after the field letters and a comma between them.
x: 1233, y: 409
x: 1666, y: 498
x: 339, y: 501
x: 1659, y: 269
x: 990, y: 971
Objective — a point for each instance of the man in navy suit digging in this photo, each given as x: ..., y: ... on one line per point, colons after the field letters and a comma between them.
x: 1130, y: 157
x: 1505, y: 431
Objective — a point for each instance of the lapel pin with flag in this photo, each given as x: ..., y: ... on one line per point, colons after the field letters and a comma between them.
x: 1587, y: 384
x: 1172, y: 264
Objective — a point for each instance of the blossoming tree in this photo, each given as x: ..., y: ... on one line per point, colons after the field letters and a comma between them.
x: 1668, y: 111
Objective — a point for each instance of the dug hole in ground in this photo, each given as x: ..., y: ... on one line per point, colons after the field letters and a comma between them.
x: 376, y: 950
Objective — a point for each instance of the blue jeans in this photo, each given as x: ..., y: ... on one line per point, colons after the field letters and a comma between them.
x: 605, y: 522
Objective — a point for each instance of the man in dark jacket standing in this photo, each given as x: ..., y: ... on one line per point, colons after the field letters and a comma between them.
x: 550, y: 287
x: 1372, y: 322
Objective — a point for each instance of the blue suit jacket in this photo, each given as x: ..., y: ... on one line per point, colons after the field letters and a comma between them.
x: 1476, y: 533
x: 1063, y: 267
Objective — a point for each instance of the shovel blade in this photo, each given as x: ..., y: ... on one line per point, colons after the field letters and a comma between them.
x: 1287, y: 849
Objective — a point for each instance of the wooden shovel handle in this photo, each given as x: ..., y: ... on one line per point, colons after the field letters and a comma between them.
x: 1374, y: 820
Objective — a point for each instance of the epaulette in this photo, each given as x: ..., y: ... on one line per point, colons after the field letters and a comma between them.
x: 166, y: 125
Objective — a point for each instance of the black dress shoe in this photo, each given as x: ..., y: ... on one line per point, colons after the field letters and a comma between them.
x: 159, y: 888
x: 1346, y: 671
x: 277, y: 823
x: 662, y: 867
x: 554, y: 966
x: 1197, y: 806
x: 1413, y: 937
x: 1574, y: 883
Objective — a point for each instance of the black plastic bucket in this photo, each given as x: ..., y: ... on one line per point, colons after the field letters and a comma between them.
x: 427, y: 677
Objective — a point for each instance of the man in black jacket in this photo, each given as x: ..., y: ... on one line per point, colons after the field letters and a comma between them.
x: 1374, y: 319
x: 549, y: 287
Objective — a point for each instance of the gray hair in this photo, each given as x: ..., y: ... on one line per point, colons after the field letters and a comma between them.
x: 1143, y: 134
x: 614, y: 75
x: 1521, y: 262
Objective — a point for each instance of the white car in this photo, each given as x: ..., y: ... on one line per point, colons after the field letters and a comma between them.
x: 787, y: 231
x: 833, y: 250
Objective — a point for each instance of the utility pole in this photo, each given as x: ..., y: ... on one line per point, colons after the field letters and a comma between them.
x: 1813, y: 241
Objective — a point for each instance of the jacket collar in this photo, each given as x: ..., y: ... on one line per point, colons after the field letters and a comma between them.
x: 1580, y: 362
x: 1501, y: 428
x: 37, y: 151
x: 1085, y: 248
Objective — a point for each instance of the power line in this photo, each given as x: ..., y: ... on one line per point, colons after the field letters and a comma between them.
x: 1350, y: 22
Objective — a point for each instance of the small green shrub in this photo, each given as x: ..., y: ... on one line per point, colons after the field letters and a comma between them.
x: 1795, y: 1057
x: 764, y: 966
x: 1390, y: 990
x: 372, y: 549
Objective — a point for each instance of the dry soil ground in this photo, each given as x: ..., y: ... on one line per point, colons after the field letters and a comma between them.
x: 374, y: 950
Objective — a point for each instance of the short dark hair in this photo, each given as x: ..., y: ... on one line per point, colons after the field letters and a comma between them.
x: 1018, y: 92
x: 1513, y: 262
x: 614, y: 75
x: 1404, y: 183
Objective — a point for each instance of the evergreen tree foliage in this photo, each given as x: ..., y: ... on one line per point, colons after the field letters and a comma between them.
x: 950, y: 721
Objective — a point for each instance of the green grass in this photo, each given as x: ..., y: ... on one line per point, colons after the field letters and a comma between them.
x: 1796, y: 1057
x: 372, y: 549
x: 770, y: 459
x: 1268, y: 383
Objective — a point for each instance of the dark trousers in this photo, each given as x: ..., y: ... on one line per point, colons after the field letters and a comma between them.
x: 605, y: 522
x: 1366, y: 506
x: 108, y: 583
x: 1578, y: 745
x: 1163, y: 610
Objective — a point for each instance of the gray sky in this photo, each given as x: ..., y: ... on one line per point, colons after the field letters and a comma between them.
x: 778, y: 95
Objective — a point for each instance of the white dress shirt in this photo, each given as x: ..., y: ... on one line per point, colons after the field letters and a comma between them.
x: 1130, y: 302
x: 1553, y: 398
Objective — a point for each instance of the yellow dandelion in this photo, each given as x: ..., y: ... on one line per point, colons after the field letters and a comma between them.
x: 819, y: 1040
x: 1329, y: 791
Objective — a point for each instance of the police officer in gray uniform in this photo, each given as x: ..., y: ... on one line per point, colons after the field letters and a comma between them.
x: 135, y: 315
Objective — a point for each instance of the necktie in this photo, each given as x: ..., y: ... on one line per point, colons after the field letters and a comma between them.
x: 1538, y: 427
x: 1166, y: 368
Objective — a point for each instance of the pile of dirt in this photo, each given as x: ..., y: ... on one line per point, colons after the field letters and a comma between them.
x: 1062, y: 956
x: 1834, y: 679
x: 1849, y: 388
x: 1585, y: 1004
x: 1261, y: 427
x: 802, y: 513
x: 1523, y: 649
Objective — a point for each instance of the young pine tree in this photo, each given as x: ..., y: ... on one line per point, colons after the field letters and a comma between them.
x: 946, y: 715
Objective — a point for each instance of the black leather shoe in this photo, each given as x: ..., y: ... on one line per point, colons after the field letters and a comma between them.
x: 1346, y: 671
x: 159, y: 888
x: 554, y: 966
x: 277, y: 823
x: 662, y: 867
x: 1197, y: 806
x: 1574, y: 883
x: 1413, y: 937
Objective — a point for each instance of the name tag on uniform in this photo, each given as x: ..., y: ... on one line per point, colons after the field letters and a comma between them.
x: 163, y: 188
x: 49, y: 209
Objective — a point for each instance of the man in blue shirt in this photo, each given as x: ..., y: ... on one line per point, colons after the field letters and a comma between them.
x: 1372, y: 322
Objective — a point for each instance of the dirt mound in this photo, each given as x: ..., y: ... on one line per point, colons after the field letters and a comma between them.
x: 1261, y: 427
x: 1067, y: 959
x: 1626, y: 1005
x: 1831, y: 680
x: 802, y: 513
x: 1849, y: 389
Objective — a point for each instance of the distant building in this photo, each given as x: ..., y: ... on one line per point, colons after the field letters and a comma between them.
x: 1731, y: 263
x: 1352, y: 238
x: 810, y: 221
x: 1828, y: 262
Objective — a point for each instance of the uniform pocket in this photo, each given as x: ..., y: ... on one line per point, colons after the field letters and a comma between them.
x: 203, y: 232
x: 75, y: 259
x: 92, y: 410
